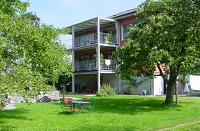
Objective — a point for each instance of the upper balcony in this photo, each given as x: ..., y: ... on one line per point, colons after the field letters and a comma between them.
x: 94, y: 31
x: 89, y: 39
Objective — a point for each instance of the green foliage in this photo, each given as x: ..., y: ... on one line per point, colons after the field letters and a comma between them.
x: 109, y: 38
x: 3, y: 99
x: 107, y: 89
x: 12, y: 7
x: 102, y: 94
x: 30, y: 56
x: 32, y: 18
x: 64, y: 81
x: 165, y: 36
x: 95, y: 56
x: 133, y: 91
x: 132, y: 82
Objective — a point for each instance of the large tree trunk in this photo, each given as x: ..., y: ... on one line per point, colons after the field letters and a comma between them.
x: 169, y: 95
x: 170, y: 90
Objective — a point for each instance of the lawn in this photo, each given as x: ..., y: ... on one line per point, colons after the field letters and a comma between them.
x: 117, y: 113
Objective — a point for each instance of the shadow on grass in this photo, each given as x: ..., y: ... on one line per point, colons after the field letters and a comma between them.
x: 127, y: 105
x: 132, y: 105
x: 7, y: 128
x: 11, y: 114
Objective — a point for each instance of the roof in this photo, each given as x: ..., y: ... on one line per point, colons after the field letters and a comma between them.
x: 91, y: 24
x: 124, y: 14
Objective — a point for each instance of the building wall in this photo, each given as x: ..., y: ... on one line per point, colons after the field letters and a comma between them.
x: 112, y: 79
x: 125, y: 22
x: 84, y: 79
x: 158, y: 86
x: 145, y: 85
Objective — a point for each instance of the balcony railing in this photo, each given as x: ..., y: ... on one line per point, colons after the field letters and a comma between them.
x: 89, y: 39
x: 88, y: 65
x: 91, y: 65
x: 107, y: 64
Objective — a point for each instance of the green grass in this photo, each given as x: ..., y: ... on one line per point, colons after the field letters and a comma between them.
x: 193, y: 94
x: 117, y: 113
x: 190, y: 127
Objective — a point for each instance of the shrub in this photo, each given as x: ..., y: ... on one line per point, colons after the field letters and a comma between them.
x: 133, y: 91
x: 107, y: 88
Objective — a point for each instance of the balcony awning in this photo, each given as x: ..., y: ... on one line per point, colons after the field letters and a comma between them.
x: 90, y: 24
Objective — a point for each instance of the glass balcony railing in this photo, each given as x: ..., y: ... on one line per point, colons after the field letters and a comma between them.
x: 91, y: 65
x: 88, y: 65
x: 105, y: 38
x: 108, y: 64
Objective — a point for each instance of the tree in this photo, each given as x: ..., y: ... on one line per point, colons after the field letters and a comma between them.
x: 33, y: 18
x: 30, y: 56
x: 166, y: 36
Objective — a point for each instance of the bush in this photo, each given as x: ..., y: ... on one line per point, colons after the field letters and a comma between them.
x: 107, y: 88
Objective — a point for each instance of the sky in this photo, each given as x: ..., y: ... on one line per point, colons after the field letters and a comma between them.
x: 63, y: 13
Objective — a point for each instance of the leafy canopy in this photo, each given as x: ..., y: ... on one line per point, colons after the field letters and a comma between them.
x: 165, y: 36
x: 30, y: 55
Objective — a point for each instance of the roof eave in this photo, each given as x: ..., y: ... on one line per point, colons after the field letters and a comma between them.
x: 124, y: 14
x: 88, y: 22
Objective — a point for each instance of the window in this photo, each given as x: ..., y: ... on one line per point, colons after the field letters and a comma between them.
x: 125, y: 29
x: 107, y: 55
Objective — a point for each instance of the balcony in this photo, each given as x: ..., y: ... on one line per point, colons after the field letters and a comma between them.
x: 91, y: 65
x: 88, y: 65
x: 105, y: 38
x: 107, y: 65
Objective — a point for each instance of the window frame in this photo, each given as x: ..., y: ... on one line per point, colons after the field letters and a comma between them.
x: 128, y: 26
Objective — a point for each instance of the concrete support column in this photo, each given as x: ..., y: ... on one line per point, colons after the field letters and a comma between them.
x: 117, y: 26
x: 73, y: 84
x: 98, y: 54
x: 73, y: 59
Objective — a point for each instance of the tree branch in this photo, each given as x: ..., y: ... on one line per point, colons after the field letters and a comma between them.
x: 159, y: 68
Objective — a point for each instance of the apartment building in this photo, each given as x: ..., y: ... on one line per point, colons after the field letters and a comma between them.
x: 93, y: 42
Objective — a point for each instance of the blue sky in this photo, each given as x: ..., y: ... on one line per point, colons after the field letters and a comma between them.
x: 63, y: 13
